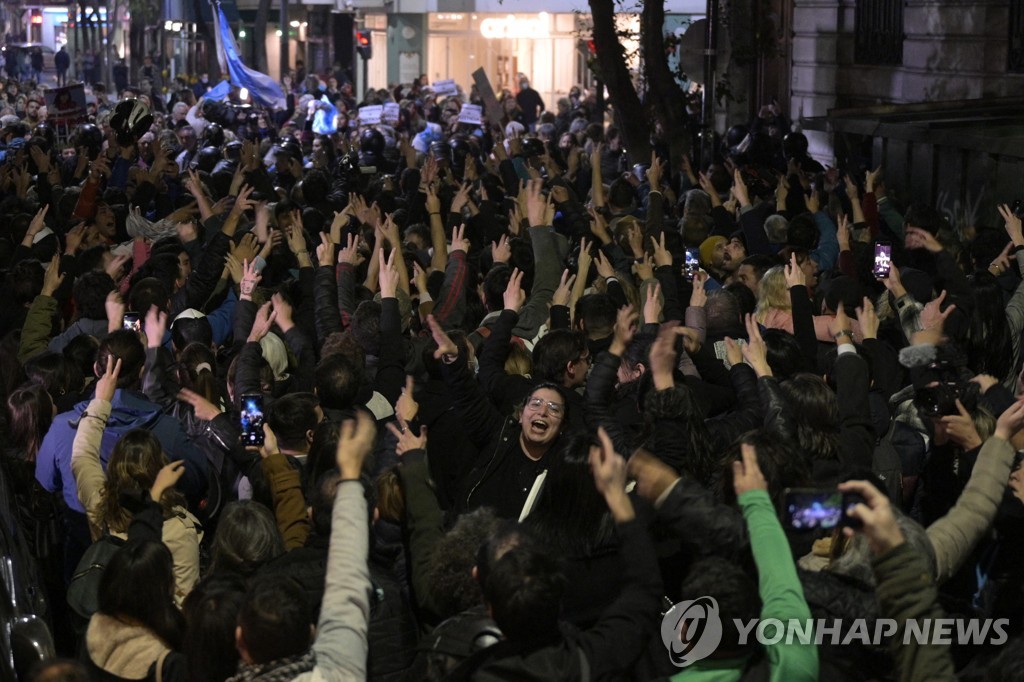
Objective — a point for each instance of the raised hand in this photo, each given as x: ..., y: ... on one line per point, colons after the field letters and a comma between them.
x: 262, y: 324
x: 609, y: 470
x: 283, y: 311
x: 459, y: 241
x: 536, y: 203
x: 325, y: 251
x: 643, y: 269
x: 1011, y: 421
x: 662, y: 256
x: 875, y: 514
x: 746, y: 473
x: 933, y: 316
x: 355, y: 442
x: 739, y: 188
x: 501, y: 250
x: 839, y: 326
x: 514, y: 296
x: 794, y: 273
x: 350, y: 253
x: 868, y: 319
x: 699, y: 294
x: 407, y: 408
x: 961, y: 429
x: 653, y: 304
x: 203, y: 408
x: 106, y: 385
x: 1012, y: 225
x: 407, y: 440
x: 250, y: 278
x: 156, y: 327
x: 387, y: 277
x: 53, y: 277
x: 662, y: 356
x: 922, y: 239
x: 166, y: 478
x: 755, y: 352
x: 625, y: 327
x: 604, y: 266
x: 446, y: 348
x: 563, y: 293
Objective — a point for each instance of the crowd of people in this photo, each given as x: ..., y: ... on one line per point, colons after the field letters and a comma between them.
x: 437, y: 401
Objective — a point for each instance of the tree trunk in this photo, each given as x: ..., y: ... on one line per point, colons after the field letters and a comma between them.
x: 136, y: 38
x: 611, y: 60
x: 666, y: 99
x: 260, y: 37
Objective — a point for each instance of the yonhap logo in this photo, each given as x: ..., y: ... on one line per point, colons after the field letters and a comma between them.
x: 691, y: 630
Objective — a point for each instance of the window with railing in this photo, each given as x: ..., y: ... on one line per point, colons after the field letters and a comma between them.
x: 878, y: 32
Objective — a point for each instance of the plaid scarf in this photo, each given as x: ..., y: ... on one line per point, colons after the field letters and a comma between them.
x: 281, y: 670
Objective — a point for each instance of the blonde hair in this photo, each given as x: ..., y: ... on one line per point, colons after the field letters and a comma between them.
x: 772, y: 293
x: 519, y: 362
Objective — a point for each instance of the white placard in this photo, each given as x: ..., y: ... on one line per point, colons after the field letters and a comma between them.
x: 391, y: 112
x: 445, y: 88
x: 370, y: 115
x: 472, y: 114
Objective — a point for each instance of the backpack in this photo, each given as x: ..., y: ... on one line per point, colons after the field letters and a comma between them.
x: 84, y: 588
x: 885, y: 462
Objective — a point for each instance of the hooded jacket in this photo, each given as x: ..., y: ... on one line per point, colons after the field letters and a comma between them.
x: 130, y: 410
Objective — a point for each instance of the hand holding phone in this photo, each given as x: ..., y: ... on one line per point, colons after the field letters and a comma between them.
x: 883, y: 260
x: 132, y: 322
x: 692, y: 264
x: 251, y: 419
x: 818, y: 509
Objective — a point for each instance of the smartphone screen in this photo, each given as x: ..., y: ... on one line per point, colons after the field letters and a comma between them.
x: 252, y: 419
x: 132, y: 322
x: 692, y: 264
x: 883, y: 260
x: 818, y: 508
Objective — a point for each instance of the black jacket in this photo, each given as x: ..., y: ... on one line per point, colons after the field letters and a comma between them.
x: 496, y: 438
x: 608, y: 650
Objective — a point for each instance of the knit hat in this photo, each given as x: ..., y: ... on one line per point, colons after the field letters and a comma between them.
x: 707, y: 250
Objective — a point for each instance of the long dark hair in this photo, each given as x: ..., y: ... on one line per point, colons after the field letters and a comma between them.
x: 212, y: 613
x: 197, y: 369
x: 989, y: 347
x: 815, y: 411
x: 571, y: 516
x: 138, y: 584
x: 30, y: 413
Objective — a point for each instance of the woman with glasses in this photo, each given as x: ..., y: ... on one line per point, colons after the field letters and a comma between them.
x: 514, y: 449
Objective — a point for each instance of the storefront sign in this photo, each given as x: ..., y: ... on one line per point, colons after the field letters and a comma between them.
x: 512, y: 26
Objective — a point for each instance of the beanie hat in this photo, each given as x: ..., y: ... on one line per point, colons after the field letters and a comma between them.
x: 707, y: 250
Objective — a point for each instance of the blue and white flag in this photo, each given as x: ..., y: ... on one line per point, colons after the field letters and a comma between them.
x: 325, y: 120
x: 219, y: 91
x: 262, y: 88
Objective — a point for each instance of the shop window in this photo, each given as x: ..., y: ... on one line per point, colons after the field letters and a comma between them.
x: 878, y: 32
x: 1015, y: 50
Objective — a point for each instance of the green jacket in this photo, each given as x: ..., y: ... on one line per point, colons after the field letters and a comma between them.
x: 782, y: 598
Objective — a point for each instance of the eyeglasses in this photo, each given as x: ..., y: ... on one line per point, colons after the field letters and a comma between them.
x: 555, y: 409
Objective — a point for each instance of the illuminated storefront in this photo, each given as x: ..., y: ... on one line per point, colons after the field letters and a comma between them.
x: 540, y: 45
